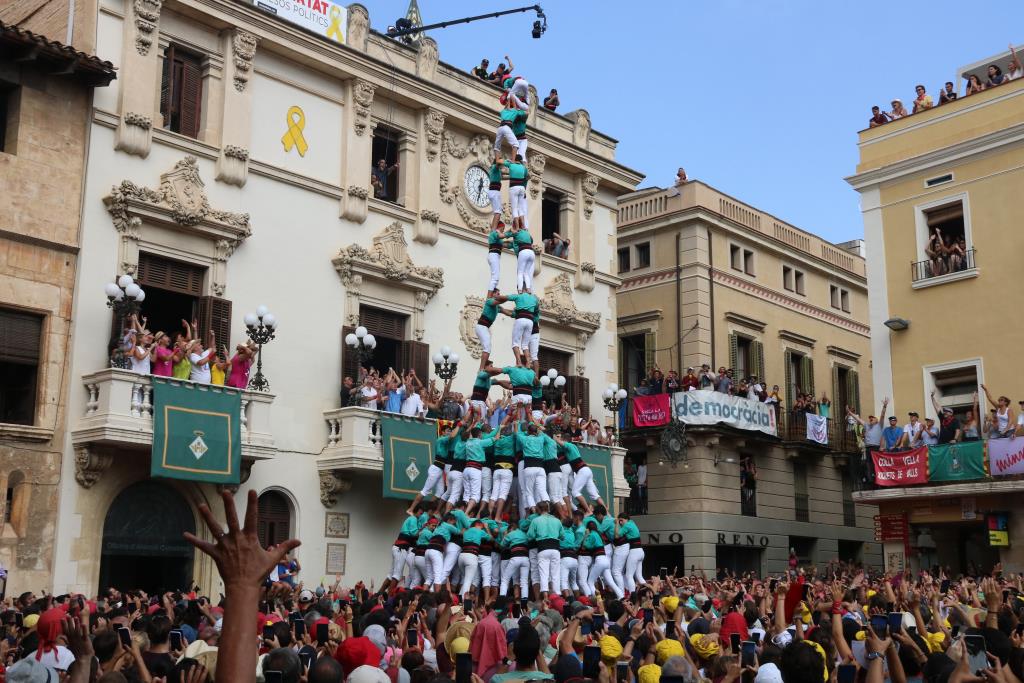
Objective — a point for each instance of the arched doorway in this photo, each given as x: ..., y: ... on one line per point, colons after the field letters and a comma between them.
x: 274, y: 518
x: 143, y: 543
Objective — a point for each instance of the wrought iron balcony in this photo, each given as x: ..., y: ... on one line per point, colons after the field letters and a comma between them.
x: 943, y: 267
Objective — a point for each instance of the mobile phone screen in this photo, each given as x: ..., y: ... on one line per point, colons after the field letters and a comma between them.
x: 1006, y: 595
x: 300, y: 628
x: 734, y: 642
x: 756, y: 637
x: 955, y: 632
x: 748, y: 652
x: 772, y: 585
x: 670, y: 629
x: 125, y: 635
x: 463, y: 667
x: 273, y: 677
x: 175, y: 640
x: 663, y: 573
x: 412, y: 638
x: 880, y: 625
x: 944, y: 587
x: 622, y: 672
x: 976, y: 659
x: 648, y: 615
x: 305, y: 658
x: 467, y: 606
x: 586, y: 627
x: 524, y: 603
x: 268, y: 632
x: 598, y: 622
x: 895, y: 622
x: 1020, y: 629
x: 322, y: 633
x: 19, y: 619
x: 591, y: 661
x: 847, y: 673
x: 295, y: 616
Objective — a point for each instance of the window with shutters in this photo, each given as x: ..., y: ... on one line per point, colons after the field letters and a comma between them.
x: 624, y: 260
x: 793, y: 280
x: 20, y: 347
x: 388, y: 329
x: 741, y: 259
x: 845, y: 390
x: 274, y: 519
x: 632, y: 360
x: 799, y: 375
x: 174, y: 293
x: 643, y: 255
x: 181, y: 91
x: 839, y: 298
x: 746, y: 357
x: 551, y: 205
x: 801, y: 496
x: 560, y: 361
x: 578, y: 390
x: 386, y: 173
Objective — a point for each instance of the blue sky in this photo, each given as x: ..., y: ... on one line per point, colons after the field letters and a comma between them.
x: 761, y: 99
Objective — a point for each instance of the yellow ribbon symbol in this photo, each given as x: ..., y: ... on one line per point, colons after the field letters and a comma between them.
x: 334, y: 30
x: 296, y: 120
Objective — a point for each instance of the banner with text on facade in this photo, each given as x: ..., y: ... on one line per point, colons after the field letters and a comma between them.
x: 905, y: 468
x: 197, y: 432
x: 408, y: 449
x: 652, y: 411
x: 956, y: 461
x: 322, y: 17
x: 600, y: 462
x: 711, y: 407
x: 1006, y: 456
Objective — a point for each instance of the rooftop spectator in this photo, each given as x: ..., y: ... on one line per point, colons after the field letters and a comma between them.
x: 947, y: 94
x: 995, y: 76
x: 681, y: 178
x: 878, y: 117
x: 911, y: 431
x: 498, y: 76
x: 974, y: 85
x: 551, y: 101
x: 898, y: 111
x: 481, y: 71
x: 923, y: 100
x: 1014, y: 70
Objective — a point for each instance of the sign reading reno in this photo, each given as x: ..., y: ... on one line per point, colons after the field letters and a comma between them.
x: 322, y: 17
x: 711, y: 407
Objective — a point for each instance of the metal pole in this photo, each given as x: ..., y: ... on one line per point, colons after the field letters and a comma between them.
x: 398, y: 33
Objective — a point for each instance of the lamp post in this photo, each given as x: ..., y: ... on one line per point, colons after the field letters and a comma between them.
x: 261, y: 326
x: 363, y: 343
x: 124, y: 298
x: 446, y: 363
x: 553, y: 384
x: 613, y: 398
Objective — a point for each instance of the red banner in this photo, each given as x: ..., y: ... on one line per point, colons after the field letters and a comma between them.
x: 652, y: 411
x: 905, y: 468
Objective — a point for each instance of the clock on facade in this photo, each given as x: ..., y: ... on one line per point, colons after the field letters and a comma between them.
x: 475, y: 185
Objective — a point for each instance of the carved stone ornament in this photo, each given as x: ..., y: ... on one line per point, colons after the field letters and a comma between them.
x: 89, y: 465
x: 387, y: 258
x: 426, y: 230
x: 139, y: 120
x: 580, y: 128
x: 147, y: 18
x: 536, y: 163
x: 467, y: 325
x: 590, y: 183
x: 558, y: 304
x: 357, y: 191
x: 586, y: 277
x: 134, y: 134
x: 358, y: 27
x: 588, y: 267
x: 434, y: 129
x: 426, y: 58
x: 532, y: 115
x: 244, y: 45
x: 331, y: 484
x: 236, y: 152
x: 233, y: 165
x: 362, y: 99
x: 478, y: 150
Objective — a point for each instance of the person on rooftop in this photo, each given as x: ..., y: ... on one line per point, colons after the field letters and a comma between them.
x: 923, y: 100
x: 948, y: 93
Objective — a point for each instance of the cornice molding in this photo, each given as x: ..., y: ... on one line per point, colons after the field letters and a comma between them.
x: 796, y: 338
x: 744, y: 321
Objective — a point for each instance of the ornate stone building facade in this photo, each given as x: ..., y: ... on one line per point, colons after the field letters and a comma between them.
x: 232, y: 168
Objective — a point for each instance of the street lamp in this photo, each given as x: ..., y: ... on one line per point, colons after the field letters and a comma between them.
x: 613, y: 398
x: 261, y: 326
x: 124, y: 298
x: 363, y: 343
x: 446, y: 363
x: 553, y: 384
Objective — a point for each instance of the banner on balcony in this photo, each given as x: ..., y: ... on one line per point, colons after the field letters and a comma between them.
x: 408, y: 446
x: 905, y: 468
x: 1005, y: 457
x: 957, y: 461
x: 197, y: 432
x: 600, y: 462
x: 817, y: 429
x: 651, y: 411
x: 711, y: 407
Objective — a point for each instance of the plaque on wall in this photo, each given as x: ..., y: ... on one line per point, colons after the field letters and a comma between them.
x: 335, y: 558
x: 336, y: 525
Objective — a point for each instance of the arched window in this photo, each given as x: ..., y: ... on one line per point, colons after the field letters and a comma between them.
x: 16, y: 502
x: 275, y: 518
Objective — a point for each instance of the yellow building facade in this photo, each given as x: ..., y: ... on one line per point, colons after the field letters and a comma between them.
x: 941, y: 317
x: 709, y: 279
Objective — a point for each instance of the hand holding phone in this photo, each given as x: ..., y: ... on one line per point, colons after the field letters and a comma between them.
x: 463, y: 667
x: 748, y: 653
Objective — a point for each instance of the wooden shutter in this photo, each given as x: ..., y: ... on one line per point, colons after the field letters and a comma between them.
x: 757, y: 351
x: 174, y: 276
x: 20, y: 337
x: 382, y: 323
x: 808, y: 375
x: 349, y: 358
x: 166, y: 85
x: 788, y: 360
x: 551, y: 358
x: 853, y: 390
x: 579, y: 388
x: 624, y: 379
x: 215, y: 314
x: 415, y: 355
x: 838, y: 402
x: 650, y: 352
x: 734, y: 352
x: 191, y: 96
x: 274, y: 519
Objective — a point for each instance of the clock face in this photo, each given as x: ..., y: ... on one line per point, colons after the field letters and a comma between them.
x: 475, y: 185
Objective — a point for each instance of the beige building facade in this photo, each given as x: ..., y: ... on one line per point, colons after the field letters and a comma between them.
x: 937, y: 320
x: 230, y: 168
x: 44, y: 134
x: 709, y: 279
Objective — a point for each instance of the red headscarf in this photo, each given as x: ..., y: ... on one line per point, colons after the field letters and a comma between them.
x: 49, y: 627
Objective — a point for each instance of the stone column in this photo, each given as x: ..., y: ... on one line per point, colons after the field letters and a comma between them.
x: 430, y: 127
x: 357, y: 145
x: 582, y: 249
x: 239, y: 49
x: 408, y: 173
x: 140, y: 70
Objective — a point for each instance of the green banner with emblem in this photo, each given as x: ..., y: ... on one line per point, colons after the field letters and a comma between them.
x: 408, y: 449
x: 197, y: 432
x: 600, y: 462
x: 957, y: 461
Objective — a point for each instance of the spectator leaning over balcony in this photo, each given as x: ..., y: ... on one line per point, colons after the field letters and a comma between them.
x: 481, y: 71
x: 774, y: 400
x: 872, y: 437
x: 368, y: 393
x: 182, y: 368
x: 878, y: 117
x: 499, y: 75
x: 911, y: 431
x: 891, y: 435
x: 201, y: 358
x: 690, y: 381
x: 923, y: 100
x: 929, y: 434
x: 995, y: 76
x: 974, y: 85
x: 140, y: 351
x: 935, y: 251
x: 656, y: 381
x: 825, y: 406
x: 394, y: 392
x: 556, y: 246
x: 220, y: 367
x: 551, y: 101
x: 1014, y: 70
x: 1004, y: 422
x: 947, y: 94
x: 898, y: 112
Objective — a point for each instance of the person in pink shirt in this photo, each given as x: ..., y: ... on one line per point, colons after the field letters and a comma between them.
x: 163, y: 356
x: 240, y: 363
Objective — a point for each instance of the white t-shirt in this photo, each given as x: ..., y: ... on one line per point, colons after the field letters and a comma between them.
x: 369, y: 397
x: 140, y: 367
x: 413, y: 406
x: 200, y: 373
x: 912, y: 430
x: 59, y: 658
x: 641, y: 475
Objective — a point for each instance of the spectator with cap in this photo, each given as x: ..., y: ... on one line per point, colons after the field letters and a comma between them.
x: 911, y: 431
x: 690, y: 380
x: 481, y: 71
x: 551, y: 101
x: 949, y: 426
x: 892, y: 435
x: 898, y: 111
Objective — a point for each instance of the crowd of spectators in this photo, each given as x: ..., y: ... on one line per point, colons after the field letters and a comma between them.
x: 923, y: 101
x: 498, y: 76
x: 556, y: 245
x: 946, y: 253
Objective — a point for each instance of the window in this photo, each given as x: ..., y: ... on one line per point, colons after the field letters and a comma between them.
x: 8, y: 503
x: 801, y: 499
x: 181, y: 91
x: 946, y: 248
x: 746, y: 357
x: 748, y: 262
x: 274, y: 519
x: 793, y: 280
x: 954, y: 387
x: 839, y: 297
x: 833, y: 293
x: 633, y: 353
x: 624, y: 260
x: 849, y: 509
x: 735, y: 257
x: 938, y: 180
x: 384, y: 175
x: 844, y: 301
x: 748, y: 488
x: 787, y: 278
x: 551, y: 214
x: 798, y: 282
x: 20, y: 340
x: 643, y: 255
x: 742, y: 368
x: 8, y: 118
x: 16, y: 503
x: 799, y: 375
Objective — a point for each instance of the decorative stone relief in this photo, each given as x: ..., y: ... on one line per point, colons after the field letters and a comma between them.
x: 426, y: 58
x: 134, y: 134
x: 580, y: 128
x: 355, y: 204
x: 358, y: 26
x: 581, y: 345
x: 536, y: 162
x: 467, y: 325
x: 558, y: 303
x: 243, y: 44
x: 332, y: 484
x: 477, y: 150
x: 147, y: 18
x: 434, y: 129
x: 426, y: 230
x: 590, y: 183
x: 233, y: 165
x: 362, y: 99
x: 586, y: 276
x: 532, y: 117
x: 89, y: 465
x: 539, y: 251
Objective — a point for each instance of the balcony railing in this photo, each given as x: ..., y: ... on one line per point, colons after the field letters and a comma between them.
x: 119, y: 412
x: 932, y: 268
x: 793, y: 428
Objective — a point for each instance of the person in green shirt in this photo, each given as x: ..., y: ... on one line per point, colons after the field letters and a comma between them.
x: 627, y: 536
x: 435, y: 473
x: 476, y: 457
x: 418, y: 576
x: 504, y: 466
x: 526, y: 306
x: 534, y: 479
x: 569, y: 547
x: 488, y: 314
x: 516, y: 543
x: 506, y: 120
x: 457, y: 450
x: 494, y: 179
x: 583, y: 476
x: 482, y: 386
x: 470, y: 558
x: 546, y: 531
